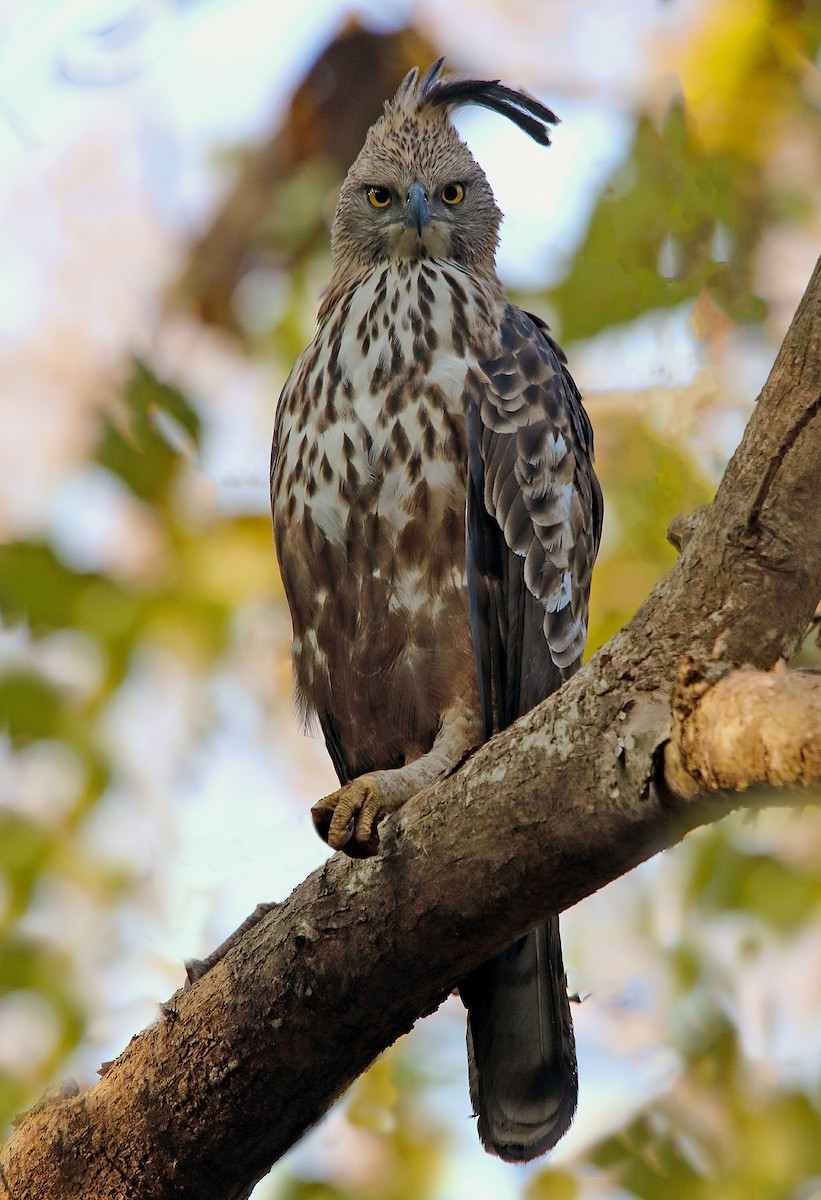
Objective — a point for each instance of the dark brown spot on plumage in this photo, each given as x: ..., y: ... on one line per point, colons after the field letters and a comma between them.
x: 395, y: 400
x: 367, y: 441
x: 381, y: 289
x: 421, y: 498
x: 456, y: 288
x: 334, y: 371
x: 421, y: 355
x: 400, y: 442
x: 455, y: 448
x: 397, y: 358
x: 428, y: 434
x: 377, y: 379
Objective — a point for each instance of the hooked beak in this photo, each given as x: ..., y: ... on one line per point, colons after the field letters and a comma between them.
x: 417, y: 213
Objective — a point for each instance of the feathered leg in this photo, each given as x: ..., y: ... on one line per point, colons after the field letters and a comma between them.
x: 348, y: 818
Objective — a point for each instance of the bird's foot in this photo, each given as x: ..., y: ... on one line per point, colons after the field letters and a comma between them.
x: 347, y: 819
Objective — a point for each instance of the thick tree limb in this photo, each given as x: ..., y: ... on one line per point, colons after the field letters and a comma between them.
x: 201, y: 1103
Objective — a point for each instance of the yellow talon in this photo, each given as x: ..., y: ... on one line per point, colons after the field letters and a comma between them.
x: 347, y: 819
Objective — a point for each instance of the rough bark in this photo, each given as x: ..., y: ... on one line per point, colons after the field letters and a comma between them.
x: 235, y: 1069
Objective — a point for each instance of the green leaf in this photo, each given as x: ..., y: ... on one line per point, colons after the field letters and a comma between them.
x: 781, y: 894
x: 646, y: 483
x: 30, y: 707
x: 36, y: 587
x: 160, y: 429
x: 668, y: 201
x: 25, y: 848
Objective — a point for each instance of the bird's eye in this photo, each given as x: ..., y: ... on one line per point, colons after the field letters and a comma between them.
x: 453, y: 193
x: 379, y: 197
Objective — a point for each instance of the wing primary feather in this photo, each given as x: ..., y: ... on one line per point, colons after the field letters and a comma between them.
x: 482, y: 566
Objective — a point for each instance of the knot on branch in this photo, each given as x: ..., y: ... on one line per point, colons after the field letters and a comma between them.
x: 682, y: 528
x: 736, y: 729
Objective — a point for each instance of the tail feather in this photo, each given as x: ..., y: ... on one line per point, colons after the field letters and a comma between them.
x: 521, y: 1051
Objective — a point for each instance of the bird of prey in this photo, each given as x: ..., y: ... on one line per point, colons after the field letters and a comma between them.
x: 436, y: 518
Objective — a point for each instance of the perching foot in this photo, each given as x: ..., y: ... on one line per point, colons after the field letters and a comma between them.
x: 347, y: 819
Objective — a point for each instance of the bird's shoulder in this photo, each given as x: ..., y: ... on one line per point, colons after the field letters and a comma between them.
x: 524, y: 379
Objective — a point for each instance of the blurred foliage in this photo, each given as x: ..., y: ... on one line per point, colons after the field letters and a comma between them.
x: 646, y: 483
x: 780, y: 893
x: 396, y: 1150
x: 652, y: 239
x: 689, y: 207
x: 719, y: 1134
x: 185, y: 601
x: 684, y: 216
x: 276, y: 215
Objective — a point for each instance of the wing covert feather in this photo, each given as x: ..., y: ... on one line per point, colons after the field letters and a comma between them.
x: 534, y: 519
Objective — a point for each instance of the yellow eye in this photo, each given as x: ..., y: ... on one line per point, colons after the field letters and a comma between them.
x: 379, y: 197
x: 453, y: 193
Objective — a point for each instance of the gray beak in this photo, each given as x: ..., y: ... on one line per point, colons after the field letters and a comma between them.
x: 417, y: 213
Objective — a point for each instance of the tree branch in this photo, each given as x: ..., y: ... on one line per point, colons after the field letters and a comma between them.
x: 573, y: 795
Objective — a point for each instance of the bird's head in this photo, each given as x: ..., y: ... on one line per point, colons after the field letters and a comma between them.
x: 415, y: 190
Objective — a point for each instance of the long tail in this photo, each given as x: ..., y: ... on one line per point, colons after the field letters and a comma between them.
x: 521, y: 1051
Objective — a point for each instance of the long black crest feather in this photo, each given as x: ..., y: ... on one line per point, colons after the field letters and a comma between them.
x: 529, y: 114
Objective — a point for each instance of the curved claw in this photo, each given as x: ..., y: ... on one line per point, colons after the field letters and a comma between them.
x: 347, y: 819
